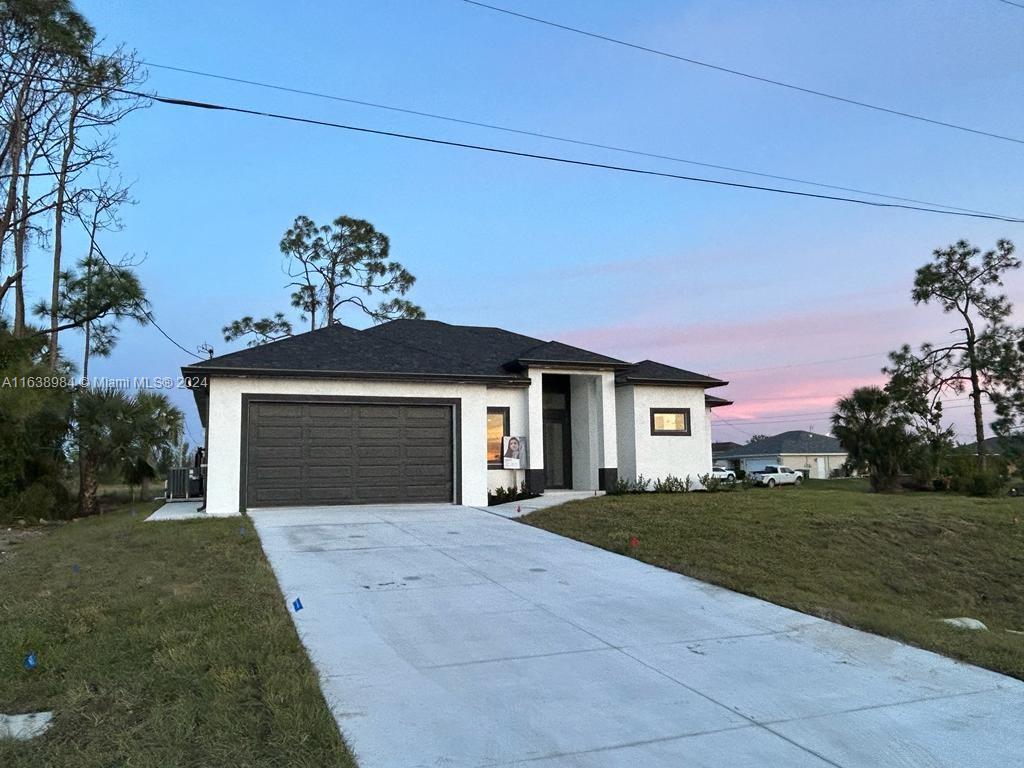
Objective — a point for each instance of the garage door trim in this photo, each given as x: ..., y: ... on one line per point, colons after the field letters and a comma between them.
x: 453, y: 402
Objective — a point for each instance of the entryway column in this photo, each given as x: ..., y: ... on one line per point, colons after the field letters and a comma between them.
x: 607, y: 473
x: 535, y: 431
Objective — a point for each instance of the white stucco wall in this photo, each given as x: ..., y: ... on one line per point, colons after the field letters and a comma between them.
x: 626, y: 432
x: 516, y: 402
x: 225, y: 427
x: 656, y: 456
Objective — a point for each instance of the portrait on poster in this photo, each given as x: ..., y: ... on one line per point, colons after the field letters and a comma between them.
x: 513, y: 452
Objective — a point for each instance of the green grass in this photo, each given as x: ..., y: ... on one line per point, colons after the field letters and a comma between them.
x: 889, y: 564
x: 171, y: 646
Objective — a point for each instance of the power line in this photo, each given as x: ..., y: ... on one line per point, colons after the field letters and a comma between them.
x: 548, y: 136
x: 141, y: 307
x: 801, y: 365
x: 728, y: 423
x: 747, y: 75
x: 1010, y: 2
x: 516, y: 153
x: 788, y: 418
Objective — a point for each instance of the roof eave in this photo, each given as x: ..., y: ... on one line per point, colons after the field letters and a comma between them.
x: 703, y: 383
x: 523, y: 363
x: 290, y: 373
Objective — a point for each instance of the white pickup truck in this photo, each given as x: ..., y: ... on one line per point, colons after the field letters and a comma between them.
x: 774, y: 475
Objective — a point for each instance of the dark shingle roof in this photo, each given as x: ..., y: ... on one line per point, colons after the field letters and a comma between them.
x: 650, y: 372
x: 557, y: 352
x: 714, y: 402
x: 406, y: 348
x: 797, y: 441
x: 718, y: 448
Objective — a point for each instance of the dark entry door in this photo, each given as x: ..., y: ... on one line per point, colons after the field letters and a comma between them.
x: 557, y: 432
x: 308, y: 453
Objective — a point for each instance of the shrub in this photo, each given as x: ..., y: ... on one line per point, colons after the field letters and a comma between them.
x: 985, y: 483
x: 46, y: 500
x: 621, y: 487
x: 641, y: 484
x: 710, y: 482
x: 960, y: 474
x: 664, y: 485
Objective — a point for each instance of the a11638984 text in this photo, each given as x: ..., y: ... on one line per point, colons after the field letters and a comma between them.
x: 102, y: 382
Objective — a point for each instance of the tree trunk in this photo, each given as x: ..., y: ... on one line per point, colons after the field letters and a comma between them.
x: 88, y: 486
x: 14, y: 148
x: 58, y: 229
x: 20, y: 241
x: 331, y: 288
x: 88, y: 324
x: 979, y: 423
x: 85, y: 355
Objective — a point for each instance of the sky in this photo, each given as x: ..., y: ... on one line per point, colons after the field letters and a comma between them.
x: 772, y: 292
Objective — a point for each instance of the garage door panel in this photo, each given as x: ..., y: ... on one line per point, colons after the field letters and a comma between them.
x: 330, y: 434
x: 343, y: 453
x: 329, y: 473
x: 265, y: 457
x: 277, y: 410
x: 284, y: 496
x: 293, y: 473
x: 268, y: 433
x: 370, y: 452
x: 327, y: 496
x: 427, y: 451
x: 331, y: 453
x: 378, y: 434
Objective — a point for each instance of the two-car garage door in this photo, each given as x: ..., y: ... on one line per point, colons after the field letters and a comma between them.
x: 314, y: 453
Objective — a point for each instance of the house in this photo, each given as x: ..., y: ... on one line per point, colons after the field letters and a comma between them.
x: 817, y: 455
x: 719, y: 448
x: 417, y: 410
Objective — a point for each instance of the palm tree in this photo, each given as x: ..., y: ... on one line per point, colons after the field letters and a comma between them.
x: 119, y: 430
x: 873, y: 431
x: 158, y: 425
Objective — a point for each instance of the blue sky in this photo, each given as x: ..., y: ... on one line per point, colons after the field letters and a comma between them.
x: 711, y: 279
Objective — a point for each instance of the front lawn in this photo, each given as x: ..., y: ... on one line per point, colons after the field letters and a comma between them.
x: 889, y: 564
x: 159, y: 644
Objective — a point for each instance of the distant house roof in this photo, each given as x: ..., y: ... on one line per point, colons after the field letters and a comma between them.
x: 997, y: 445
x: 650, y: 372
x: 797, y: 441
x: 714, y: 402
x: 420, y: 349
x: 717, y: 448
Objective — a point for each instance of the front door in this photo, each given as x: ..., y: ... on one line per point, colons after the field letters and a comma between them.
x: 557, y: 432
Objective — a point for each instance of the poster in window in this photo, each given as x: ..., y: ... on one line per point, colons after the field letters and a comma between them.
x: 513, y: 452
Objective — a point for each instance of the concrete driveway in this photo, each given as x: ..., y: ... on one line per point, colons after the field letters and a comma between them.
x: 447, y: 636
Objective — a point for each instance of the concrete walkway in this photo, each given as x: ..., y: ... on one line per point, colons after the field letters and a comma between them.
x: 514, y: 509
x: 447, y: 636
x: 177, y: 510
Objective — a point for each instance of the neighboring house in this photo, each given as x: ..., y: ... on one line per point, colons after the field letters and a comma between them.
x: 996, y: 446
x: 717, y: 449
x: 817, y: 455
x: 416, y: 410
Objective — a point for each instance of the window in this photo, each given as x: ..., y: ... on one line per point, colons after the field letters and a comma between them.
x: 670, y: 421
x: 497, y: 428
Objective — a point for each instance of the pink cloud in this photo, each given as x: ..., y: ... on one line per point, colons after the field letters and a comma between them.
x: 791, y: 365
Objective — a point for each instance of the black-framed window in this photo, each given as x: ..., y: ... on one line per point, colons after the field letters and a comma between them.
x: 497, y: 428
x: 670, y: 421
